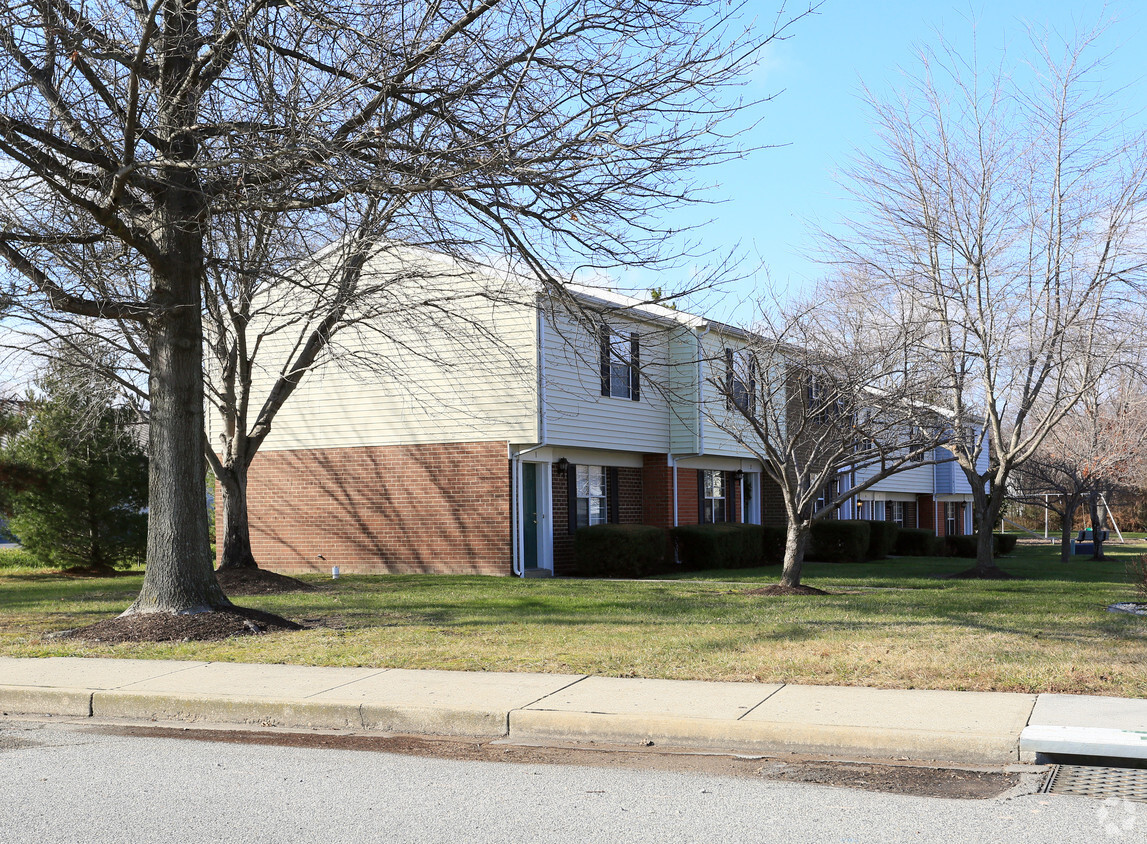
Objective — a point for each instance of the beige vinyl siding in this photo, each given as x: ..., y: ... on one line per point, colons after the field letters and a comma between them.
x: 577, y: 414
x: 461, y: 370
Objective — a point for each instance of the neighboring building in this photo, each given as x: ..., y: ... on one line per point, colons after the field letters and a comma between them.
x: 480, y: 441
x: 936, y: 497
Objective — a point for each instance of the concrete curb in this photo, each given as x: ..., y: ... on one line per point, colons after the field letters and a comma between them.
x: 37, y: 700
x: 261, y: 712
x: 763, y: 737
x: 753, y: 718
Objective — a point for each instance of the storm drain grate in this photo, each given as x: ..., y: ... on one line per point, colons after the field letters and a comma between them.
x: 1089, y: 781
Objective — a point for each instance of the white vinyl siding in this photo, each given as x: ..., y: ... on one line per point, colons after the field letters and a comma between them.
x: 426, y: 377
x: 577, y: 414
x: 716, y: 407
x: 916, y: 479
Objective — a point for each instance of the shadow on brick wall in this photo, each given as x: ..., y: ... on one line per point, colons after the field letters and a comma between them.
x: 426, y: 508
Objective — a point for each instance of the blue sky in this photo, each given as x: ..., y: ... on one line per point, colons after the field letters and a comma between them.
x: 819, y: 118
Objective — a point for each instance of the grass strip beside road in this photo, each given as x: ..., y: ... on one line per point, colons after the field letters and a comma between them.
x: 892, y: 624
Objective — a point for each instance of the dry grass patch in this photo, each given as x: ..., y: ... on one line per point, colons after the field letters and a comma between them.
x: 891, y: 626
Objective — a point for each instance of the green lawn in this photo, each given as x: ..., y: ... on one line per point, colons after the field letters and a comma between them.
x: 893, y: 624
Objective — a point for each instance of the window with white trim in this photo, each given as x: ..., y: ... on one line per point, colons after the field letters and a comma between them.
x: 714, y: 497
x: 898, y: 512
x: 951, y: 528
x: 740, y: 381
x: 591, y: 496
x: 620, y: 359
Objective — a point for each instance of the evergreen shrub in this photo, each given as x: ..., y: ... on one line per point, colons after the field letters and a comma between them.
x: 839, y: 541
x: 722, y: 546
x: 620, y: 550
x: 917, y: 542
x: 1004, y: 543
x: 881, y: 539
x: 774, y: 544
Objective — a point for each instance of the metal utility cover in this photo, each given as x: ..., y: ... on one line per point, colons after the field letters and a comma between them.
x: 1090, y: 781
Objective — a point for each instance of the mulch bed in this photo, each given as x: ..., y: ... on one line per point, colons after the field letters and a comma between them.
x: 777, y: 589
x: 169, y: 627
x: 244, y: 581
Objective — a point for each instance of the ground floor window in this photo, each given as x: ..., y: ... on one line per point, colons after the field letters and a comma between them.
x: 951, y: 518
x: 898, y: 512
x: 714, y: 496
x: 591, y: 498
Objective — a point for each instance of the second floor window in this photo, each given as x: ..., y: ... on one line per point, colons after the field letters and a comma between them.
x: 620, y: 357
x: 740, y: 381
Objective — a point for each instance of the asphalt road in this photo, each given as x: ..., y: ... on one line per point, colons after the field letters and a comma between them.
x: 73, y: 783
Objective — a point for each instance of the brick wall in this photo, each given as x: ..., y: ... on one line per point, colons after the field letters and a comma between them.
x: 772, y: 503
x: 927, y: 511
x: 630, y: 511
x: 657, y: 484
x: 442, y: 508
x: 687, y: 501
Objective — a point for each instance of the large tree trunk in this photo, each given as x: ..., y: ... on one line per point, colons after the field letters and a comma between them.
x: 988, y: 505
x: 1067, y: 522
x: 180, y: 577
x: 236, y: 551
x: 796, y: 542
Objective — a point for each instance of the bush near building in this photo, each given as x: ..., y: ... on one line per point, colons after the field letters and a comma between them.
x: 620, y: 550
x: 722, y: 546
x: 839, y: 541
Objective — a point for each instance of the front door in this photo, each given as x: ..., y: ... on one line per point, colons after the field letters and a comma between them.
x: 530, y: 515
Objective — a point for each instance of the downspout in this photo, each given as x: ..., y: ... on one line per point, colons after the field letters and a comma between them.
x: 518, y: 536
x: 673, y: 463
x: 741, y: 493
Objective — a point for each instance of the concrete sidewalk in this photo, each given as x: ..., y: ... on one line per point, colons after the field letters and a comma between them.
x: 969, y: 727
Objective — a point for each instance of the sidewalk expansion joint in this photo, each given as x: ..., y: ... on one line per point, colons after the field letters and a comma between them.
x: 758, y: 704
x: 548, y: 694
x: 347, y: 683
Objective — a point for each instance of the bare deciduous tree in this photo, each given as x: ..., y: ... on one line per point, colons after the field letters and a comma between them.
x: 820, y: 394
x: 1098, y: 447
x: 1006, y: 213
x: 557, y: 132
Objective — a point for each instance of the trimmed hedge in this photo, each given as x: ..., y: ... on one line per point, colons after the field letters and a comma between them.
x: 961, y: 546
x: 774, y: 544
x: 839, y: 541
x: 722, y: 546
x: 881, y: 539
x: 620, y: 550
x: 1004, y: 543
x: 917, y: 542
